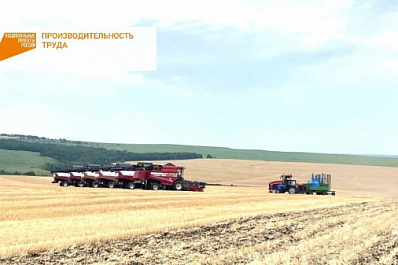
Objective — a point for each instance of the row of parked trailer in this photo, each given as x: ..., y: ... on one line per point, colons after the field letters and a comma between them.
x: 130, y: 176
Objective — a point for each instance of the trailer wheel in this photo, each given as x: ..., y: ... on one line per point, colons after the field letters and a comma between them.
x: 177, y: 185
x: 63, y: 183
x: 292, y: 191
x: 130, y: 186
x: 111, y: 184
x: 155, y: 186
x: 94, y: 184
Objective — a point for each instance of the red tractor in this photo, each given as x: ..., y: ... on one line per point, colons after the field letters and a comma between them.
x: 273, y: 184
x: 285, y: 184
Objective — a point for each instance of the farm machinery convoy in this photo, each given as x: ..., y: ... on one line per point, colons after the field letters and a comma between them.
x: 170, y: 177
x: 129, y: 176
x: 319, y: 184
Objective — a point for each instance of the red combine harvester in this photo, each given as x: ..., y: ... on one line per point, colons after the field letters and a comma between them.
x: 107, y: 178
x: 61, y: 177
x: 69, y: 176
x: 127, y: 176
x: 166, y: 176
x: 75, y: 179
x: 143, y: 175
x: 90, y: 179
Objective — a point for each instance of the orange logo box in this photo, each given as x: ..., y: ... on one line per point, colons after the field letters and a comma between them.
x: 15, y: 43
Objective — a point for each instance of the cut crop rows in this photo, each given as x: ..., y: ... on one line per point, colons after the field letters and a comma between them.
x: 356, y: 233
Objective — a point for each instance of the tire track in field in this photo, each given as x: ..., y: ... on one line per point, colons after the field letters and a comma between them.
x: 387, y: 245
x: 324, y: 222
x: 204, y: 244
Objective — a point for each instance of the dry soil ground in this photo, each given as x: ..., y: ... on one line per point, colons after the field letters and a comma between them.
x: 42, y: 223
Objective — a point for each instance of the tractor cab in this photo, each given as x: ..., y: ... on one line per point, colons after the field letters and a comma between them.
x: 290, y: 182
x: 286, y: 184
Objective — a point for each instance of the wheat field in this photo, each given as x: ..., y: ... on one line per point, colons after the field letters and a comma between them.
x: 40, y: 217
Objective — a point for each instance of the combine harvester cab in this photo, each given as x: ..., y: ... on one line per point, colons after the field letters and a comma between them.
x: 166, y: 176
x: 319, y: 184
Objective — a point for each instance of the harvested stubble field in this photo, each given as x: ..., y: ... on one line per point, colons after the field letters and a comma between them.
x: 41, y: 222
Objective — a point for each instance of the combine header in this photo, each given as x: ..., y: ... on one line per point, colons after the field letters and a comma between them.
x: 142, y: 175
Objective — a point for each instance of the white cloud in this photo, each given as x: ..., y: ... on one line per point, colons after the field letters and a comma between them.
x: 287, y: 16
x: 387, y: 41
x: 30, y: 118
x: 389, y: 66
x: 313, y: 64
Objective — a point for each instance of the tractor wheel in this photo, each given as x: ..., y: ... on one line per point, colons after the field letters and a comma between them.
x: 177, y: 185
x: 94, y: 184
x: 277, y: 191
x: 63, y: 183
x: 292, y: 190
x: 111, y: 184
x: 155, y: 186
x: 130, y: 186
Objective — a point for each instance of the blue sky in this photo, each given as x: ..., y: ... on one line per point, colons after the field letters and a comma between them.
x: 274, y: 75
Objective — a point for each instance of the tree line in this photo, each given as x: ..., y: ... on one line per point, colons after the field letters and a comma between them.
x: 68, y: 155
x: 29, y: 173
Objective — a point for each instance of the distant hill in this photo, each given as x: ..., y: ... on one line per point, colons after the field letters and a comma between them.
x: 249, y: 154
x: 23, y: 162
x: 63, y: 154
x: 61, y: 151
